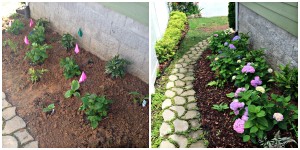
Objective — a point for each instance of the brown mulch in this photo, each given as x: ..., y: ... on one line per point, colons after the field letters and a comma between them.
x: 127, y: 124
x: 219, y: 125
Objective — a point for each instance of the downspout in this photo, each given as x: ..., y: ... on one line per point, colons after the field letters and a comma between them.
x: 236, y: 16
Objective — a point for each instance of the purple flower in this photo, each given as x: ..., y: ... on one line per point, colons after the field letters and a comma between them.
x: 216, y: 35
x: 235, y: 105
x: 236, y: 112
x: 248, y: 69
x: 236, y: 94
x: 238, y: 125
x: 245, y: 118
x: 236, y: 38
x: 256, y: 81
x: 245, y: 115
x: 231, y: 46
x: 226, y: 43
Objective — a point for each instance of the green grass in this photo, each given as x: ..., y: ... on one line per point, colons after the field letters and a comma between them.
x: 197, y: 32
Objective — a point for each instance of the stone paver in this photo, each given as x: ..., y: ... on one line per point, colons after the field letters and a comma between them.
x: 14, y: 132
x: 183, y: 103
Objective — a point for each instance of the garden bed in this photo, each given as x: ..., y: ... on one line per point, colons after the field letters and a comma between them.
x: 219, y: 125
x: 127, y: 124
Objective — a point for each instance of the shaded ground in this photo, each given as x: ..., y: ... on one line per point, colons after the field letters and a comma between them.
x: 127, y: 124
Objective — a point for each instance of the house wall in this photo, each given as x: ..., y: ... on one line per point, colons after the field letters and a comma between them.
x: 281, y: 45
x: 159, y: 21
x: 108, y: 29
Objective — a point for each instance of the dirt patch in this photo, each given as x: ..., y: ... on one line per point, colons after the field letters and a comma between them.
x: 213, y: 28
x: 127, y: 124
x: 219, y: 125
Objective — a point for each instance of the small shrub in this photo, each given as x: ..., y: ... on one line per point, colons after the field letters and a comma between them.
x: 36, y: 75
x: 220, y: 107
x: 138, y: 97
x: 37, y: 35
x: 16, y: 27
x: 68, y: 41
x: 70, y: 67
x: 12, y: 45
x: 276, y: 142
x: 116, y: 67
x: 42, y: 22
x: 95, y: 107
x: 73, y: 91
x: 38, y: 53
x: 49, y: 108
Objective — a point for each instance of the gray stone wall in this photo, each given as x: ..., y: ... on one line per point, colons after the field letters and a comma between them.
x: 281, y: 46
x: 105, y: 32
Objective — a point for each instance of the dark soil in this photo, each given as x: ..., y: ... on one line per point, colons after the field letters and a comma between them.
x: 219, y: 125
x: 127, y: 124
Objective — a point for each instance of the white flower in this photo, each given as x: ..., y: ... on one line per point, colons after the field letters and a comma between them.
x: 239, y: 61
x: 278, y: 116
x: 270, y: 70
x: 217, y: 58
x: 233, y: 77
x: 260, y: 89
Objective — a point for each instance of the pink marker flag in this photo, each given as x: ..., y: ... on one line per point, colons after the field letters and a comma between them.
x: 26, y: 41
x: 31, y: 23
x: 9, y: 23
x: 82, y: 78
x: 76, y: 49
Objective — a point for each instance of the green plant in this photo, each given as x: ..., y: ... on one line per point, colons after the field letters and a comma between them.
x: 49, y: 108
x: 287, y: 80
x: 36, y: 75
x: 220, y: 107
x: 188, y: 8
x: 68, y: 41
x: 42, y: 22
x: 231, y: 14
x: 116, y: 67
x: 70, y: 67
x: 37, y: 35
x: 16, y: 27
x: 138, y: 97
x: 276, y: 142
x: 73, y: 91
x: 95, y: 107
x: 13, y: 45
x: 38, y: 53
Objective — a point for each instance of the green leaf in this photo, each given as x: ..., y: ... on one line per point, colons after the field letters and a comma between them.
x: 68, y: 94
x: 94, y: 124
x: 260, y: 134
x: 212, y: 83
x: 246, y: 138
x: 254, y: 129
x: 248, y: 124
x: 282, y: 125
x: 257, y: 109
x: 261, y: 114
x: 263, y: 121
x: 230, y: 95
x: 77, y: 94
x: 75, y: 85
x: 251, y: 108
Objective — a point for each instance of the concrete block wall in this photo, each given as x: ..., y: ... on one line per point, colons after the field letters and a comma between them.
x: 106, y: 33
x: 281, y: 46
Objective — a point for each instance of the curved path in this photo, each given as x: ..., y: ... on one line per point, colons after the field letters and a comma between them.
x: 14, y: 132
x: 181, y: 127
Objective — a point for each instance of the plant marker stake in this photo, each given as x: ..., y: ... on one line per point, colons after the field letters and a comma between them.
x: 31, y: 23
x: 26, y: 41
x: 82, y: 77
x: 80, y: 32
x: 144, y: 103
x: 9, y: 23
x: 76, y: 49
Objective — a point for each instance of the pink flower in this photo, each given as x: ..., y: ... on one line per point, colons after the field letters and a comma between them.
x: 238, y: 125
x: 256, y: 81
x: 278, y: 116
x: 26, y: 41
x: 9, y: 23
x: 82, y: 77
x: 76, y: 49
x: 31, y: 23
x: 236, y: 94
x: 248, y: 69
x: 216, y: 35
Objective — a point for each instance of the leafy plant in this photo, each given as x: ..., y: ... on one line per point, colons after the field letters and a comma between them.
x: 70, y: 67
x: 73, y: 91
x: 137, y: 97
x: 116, y: 67
x: 220, y: 107
x: 95, y: 107
x: 12, y: 45
x: 37, y: 35
x: 36, y: 75
x: 68, y: 41
x: 38, y: 53
x: 276, y: 142
x: 49, y: 108
x: 42, y: 22
x: 16, y: 27
x: 287, y: 80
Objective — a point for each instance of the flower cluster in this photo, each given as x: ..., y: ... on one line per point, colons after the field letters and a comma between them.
x: 236, y: 94
x: 236, y: 38
x: 231, y: 46
x: 235, y: 105
x: 256, y: 81
x: 248, y: 69
x: 278, y: 117
x: 260, y: 89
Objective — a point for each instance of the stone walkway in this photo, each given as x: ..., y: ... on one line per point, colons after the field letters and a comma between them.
x: 181, y: 127
x: 14, y: 132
